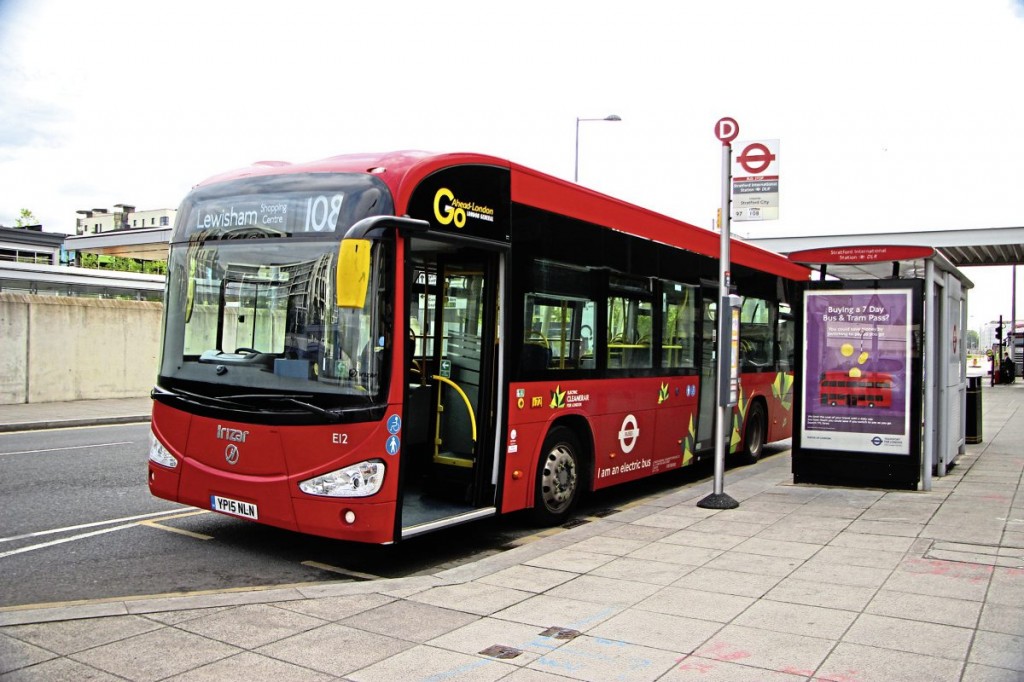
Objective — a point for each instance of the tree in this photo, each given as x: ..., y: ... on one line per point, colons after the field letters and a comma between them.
x: 26, y: 219
x: 973, y: 339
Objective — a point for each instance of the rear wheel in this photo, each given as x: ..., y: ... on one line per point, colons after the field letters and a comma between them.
x: 754, y: 435
x: 558, y: 477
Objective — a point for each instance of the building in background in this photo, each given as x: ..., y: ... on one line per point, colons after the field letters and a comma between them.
x: 125, y: 250
x: 30, y: 244
x: 123, y: 217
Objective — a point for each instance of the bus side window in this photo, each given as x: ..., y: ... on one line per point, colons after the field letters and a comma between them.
x: 786, y: 343
x: 757, y: 334
x: 558, y: 333
x: 679, y: 320
x: 629, y: 333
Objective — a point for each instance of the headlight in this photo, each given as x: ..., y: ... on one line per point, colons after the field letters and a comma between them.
x: 159, y: 454
x: 359, y: 480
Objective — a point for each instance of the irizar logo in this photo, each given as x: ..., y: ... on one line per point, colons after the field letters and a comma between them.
x: 233, y: 435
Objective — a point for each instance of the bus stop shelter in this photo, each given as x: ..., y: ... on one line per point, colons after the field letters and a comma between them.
x: 881, y: 384
x: 959, y: 248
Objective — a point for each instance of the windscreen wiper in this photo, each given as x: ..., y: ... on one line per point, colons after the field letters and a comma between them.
x: 182, y: 394
x: 334, y: 414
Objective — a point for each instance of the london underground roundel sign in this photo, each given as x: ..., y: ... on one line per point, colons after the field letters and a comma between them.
x: 756, y: 158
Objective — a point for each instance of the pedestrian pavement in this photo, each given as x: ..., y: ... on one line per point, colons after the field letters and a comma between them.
x: 34, y: 416
x: 800, y: 582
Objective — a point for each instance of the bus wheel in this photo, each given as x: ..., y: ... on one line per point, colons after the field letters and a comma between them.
x: 755, y: 433
x: 558, y: 477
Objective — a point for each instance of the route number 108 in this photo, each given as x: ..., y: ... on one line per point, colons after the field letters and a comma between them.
x: 322, y: 213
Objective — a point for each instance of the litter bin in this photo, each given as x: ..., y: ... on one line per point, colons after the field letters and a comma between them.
x: 972, y: 430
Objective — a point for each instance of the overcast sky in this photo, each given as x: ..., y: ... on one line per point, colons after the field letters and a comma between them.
x: 892, y: 114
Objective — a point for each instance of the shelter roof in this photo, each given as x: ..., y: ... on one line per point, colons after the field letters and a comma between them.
x: 961, y: 247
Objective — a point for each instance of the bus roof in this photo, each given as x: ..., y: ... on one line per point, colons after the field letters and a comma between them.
x: 402, y: 171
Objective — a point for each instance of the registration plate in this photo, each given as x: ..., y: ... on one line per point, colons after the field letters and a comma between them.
x: 234, y: 507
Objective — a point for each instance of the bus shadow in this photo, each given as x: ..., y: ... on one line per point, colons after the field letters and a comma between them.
x: 327, y: 560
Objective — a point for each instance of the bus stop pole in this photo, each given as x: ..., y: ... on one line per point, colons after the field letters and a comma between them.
x: 719, y: 499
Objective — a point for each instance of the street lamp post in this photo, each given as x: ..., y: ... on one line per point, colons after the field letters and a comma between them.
x: 576, y: 167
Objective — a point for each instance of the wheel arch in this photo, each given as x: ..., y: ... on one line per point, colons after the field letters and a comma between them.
x: 584, y: 432
x: 580, y: 426
x: 757, y: 399
x: 760, y: 402
x: 548, y: 480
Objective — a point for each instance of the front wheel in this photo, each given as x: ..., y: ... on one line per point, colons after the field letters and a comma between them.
x: 755, y: 433
x: 558, y: 477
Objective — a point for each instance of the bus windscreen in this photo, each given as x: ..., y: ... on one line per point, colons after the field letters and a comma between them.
x: 260, y: 316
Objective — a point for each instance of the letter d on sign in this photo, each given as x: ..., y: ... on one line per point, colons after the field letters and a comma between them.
x: 727, y: 129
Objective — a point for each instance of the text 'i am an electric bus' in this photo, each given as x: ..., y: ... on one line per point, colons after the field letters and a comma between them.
x: 371, y: 347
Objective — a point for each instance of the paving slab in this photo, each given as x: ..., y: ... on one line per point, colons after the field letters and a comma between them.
x: 155, y: 655
x: 320, y: 649
x: 870, y: 664
x: 778, y: 651
x: 595, y: 658
x: 431, y: 663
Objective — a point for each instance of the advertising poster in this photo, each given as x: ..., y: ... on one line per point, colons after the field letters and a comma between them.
x: 857, y: 361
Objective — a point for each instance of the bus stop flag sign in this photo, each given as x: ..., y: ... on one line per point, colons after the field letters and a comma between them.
x: 755, y: 181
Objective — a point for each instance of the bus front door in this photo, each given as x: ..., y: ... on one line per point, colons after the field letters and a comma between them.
x: 451, y: 364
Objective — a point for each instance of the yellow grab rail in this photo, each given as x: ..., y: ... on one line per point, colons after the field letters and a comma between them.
x: 465, y: 399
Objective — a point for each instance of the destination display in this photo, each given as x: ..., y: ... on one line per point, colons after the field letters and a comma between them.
x: 321, y: 204
x: 284, y: 213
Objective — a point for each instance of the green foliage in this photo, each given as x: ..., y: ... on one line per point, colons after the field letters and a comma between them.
x: 26, y: 219
x: 122, y: 264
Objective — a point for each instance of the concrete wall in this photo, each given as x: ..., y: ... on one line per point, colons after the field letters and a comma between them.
x: 55, y: 348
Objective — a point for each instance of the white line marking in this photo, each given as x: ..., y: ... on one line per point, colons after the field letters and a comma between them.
x: 70, y: 447
x: 68, y: 529
x: 63, y: 540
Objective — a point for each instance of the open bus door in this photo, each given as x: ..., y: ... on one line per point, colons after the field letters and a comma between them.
x: 452, y: 363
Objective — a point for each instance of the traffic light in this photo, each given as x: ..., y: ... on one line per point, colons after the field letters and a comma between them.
x: 999, y: 331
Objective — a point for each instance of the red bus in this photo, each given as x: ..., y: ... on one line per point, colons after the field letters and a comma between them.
x: 871, y: 389
x: 376, y: 346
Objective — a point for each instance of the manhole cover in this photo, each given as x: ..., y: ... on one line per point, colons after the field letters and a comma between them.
x: 561, y: 633
x: 501, y: 651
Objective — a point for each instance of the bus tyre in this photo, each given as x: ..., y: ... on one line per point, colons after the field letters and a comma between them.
x: 558, y: 477
x: 754, y: 434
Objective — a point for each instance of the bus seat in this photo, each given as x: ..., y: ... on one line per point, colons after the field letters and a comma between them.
x: 534, y: 357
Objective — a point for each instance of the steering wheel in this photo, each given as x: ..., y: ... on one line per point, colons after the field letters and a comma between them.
x: 247, y: 351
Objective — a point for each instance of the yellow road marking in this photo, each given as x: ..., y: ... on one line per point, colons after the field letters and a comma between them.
x: 341, y: 571
x: 180, y: 531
